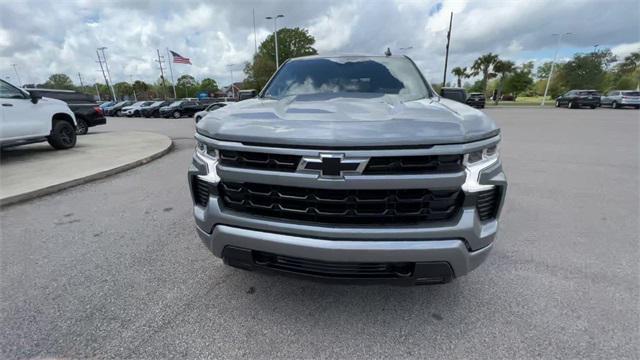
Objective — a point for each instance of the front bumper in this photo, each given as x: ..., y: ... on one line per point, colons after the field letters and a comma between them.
x: 462, y: 243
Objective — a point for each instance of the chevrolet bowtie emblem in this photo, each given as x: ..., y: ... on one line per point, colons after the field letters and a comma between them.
x: 332, y: 166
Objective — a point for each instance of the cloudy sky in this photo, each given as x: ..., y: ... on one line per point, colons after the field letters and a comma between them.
x: 45, y: 36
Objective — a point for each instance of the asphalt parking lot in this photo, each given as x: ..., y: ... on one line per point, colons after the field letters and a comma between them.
x: 114, y: 269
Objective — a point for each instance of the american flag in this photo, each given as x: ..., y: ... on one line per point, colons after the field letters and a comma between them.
x: 179, y: 59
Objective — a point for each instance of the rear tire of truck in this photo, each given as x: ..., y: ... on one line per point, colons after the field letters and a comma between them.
x: 63, y: 135
x: 82, y: 128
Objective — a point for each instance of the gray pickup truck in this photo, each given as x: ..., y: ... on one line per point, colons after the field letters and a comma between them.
x: 349, y: 168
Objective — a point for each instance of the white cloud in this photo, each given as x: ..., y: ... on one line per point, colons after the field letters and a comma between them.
x: 46, y: 36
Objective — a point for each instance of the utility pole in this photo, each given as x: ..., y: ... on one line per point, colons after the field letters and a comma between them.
x: 446, y: 56
x: 106, y: 80
x: 170, y: 59
x: 553, y: 65
x: 164, y: 95
x: 135, y: 98
x: 255, y: 38
x: 80, y: 78
x: 97, y: 91
x: 233, y: 91
x: 15, y: 69
x: 275, y: 34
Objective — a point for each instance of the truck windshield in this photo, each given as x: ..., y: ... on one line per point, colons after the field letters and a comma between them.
x: 373, y: 75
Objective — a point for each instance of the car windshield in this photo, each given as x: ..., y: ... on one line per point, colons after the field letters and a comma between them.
x: 139, y: 103
x: 120, y: 103
x: 176, y: 103
x: 631, y: 93
x: 373, y: 75
x: 592, y: 93
x: 156, y: 103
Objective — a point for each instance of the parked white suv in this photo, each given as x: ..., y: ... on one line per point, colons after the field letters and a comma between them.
x: 26, y: 118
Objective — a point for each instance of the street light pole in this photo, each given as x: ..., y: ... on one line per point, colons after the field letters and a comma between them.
x: 275, y: 34
x: 553, y: 65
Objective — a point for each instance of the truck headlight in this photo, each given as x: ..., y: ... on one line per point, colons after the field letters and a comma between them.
x: 474, y: 163
x: 209, y: 156
x: 487, y: 155
x: 205, y: 151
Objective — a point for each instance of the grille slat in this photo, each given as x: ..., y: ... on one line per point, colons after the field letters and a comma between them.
x: 342, y: 206
x: 487, y: 204
x: 200, y: 191
x: 414, y: 164
x: 260, y: 161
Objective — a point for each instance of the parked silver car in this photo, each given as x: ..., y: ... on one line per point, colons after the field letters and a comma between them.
x: 621, y: 98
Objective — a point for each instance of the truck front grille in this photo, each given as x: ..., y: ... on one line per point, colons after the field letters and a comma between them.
x: 334, y: 269
x: 382, y: 165
x: 342, y: 206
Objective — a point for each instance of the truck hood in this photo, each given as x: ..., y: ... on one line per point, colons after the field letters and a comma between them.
x: 335, y: 120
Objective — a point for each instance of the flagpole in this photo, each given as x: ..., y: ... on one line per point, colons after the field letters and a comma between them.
x: 170, y: 58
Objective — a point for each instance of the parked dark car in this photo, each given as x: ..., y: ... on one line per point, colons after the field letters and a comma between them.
x: 153, y: 110
x: 579, y: 98
x: 116, y: 110
x: 181, y: 108
x: 87, y: 111
x: 476, y: 100
x: 457, y: 94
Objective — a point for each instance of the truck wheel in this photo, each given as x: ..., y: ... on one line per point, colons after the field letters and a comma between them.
x: 63, y: 135
x: 614, y: 105
x: 176, y: 114
x: 82, y: 127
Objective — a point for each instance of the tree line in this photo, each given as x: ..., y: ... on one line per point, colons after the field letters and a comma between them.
x: 186, y: 86
x: 598, y: 70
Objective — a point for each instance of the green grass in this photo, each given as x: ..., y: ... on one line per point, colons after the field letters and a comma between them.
x: 524, y: 101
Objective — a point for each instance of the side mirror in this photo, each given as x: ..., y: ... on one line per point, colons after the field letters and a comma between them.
x: 34, y: 97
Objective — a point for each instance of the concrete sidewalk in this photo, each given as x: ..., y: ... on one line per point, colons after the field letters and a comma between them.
x: 34, y: 170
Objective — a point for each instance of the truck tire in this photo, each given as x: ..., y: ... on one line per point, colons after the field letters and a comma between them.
x: 63, y: 135
x: 82, y: 127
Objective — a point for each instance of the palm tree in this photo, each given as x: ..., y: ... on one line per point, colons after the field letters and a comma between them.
x: 483, y: 66
x: 502, y: 67
x: 460, y: 72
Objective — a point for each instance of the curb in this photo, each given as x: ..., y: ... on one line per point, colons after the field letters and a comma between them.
x: 71, y: 183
